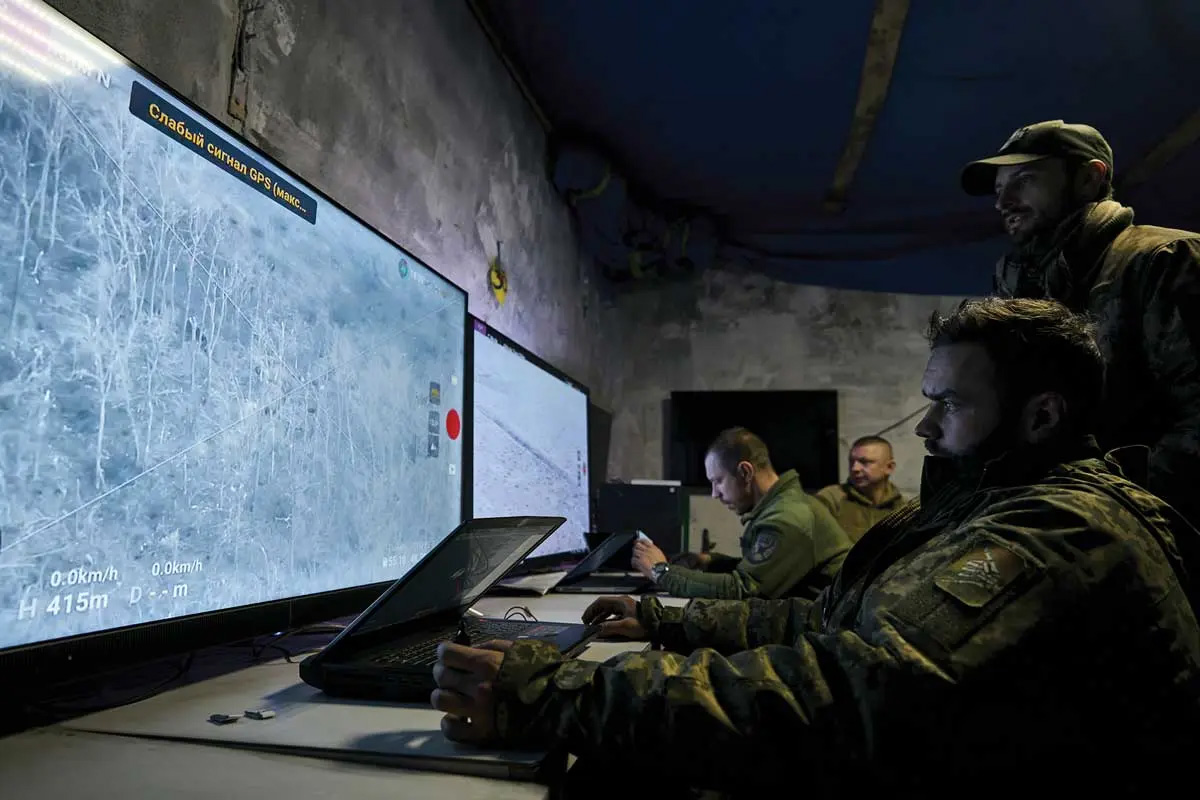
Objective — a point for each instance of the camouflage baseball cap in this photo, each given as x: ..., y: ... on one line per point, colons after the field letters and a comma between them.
x: 1051, y: 139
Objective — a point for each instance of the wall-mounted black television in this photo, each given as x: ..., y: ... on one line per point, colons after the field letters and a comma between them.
x: 227, y: 406
x: 800, y: 429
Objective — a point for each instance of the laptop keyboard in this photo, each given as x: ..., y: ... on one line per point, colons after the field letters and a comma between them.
x: 425, y: 653
x: 416, y: 654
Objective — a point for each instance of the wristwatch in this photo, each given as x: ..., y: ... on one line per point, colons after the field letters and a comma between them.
x: 658, y: 570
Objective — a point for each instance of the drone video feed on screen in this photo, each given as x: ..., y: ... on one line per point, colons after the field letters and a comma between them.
x: 530, y: 443
x: 216, y: 387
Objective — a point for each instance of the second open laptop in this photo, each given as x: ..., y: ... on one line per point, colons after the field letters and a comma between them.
x: 388, y: 652
x: 585, y: 579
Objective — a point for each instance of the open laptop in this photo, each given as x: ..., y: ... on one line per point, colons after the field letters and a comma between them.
x: 583, y: 580
x: 388, y: 652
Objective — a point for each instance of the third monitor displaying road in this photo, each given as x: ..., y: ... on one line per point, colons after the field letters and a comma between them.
x: 530, y: 440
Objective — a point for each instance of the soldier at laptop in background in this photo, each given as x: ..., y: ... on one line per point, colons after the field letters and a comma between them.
x: 868, y: 495
x: 791, y: 546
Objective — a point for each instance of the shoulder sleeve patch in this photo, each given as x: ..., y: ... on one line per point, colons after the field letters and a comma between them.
x: 981, y: 574
x: 763, y: 547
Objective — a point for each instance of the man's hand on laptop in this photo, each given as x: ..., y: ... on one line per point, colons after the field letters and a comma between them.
x: 617, y: 617
x: 464, y: 677
x: 645, y: 556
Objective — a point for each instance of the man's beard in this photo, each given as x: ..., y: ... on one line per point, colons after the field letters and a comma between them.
x: 1039, y: 239
x: 1002, y: 440
x: 1028, y: 238
x: 1035, y: 243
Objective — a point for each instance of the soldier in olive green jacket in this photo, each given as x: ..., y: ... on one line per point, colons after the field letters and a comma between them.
x: 1052, y: 183
x: 791, y: 545
x: 868, y: 495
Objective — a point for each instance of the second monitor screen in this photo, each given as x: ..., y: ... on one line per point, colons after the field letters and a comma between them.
x: 530, y: 448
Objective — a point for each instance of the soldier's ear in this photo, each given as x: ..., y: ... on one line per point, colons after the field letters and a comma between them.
x: 1043, y: 417
x: 1090, y: 178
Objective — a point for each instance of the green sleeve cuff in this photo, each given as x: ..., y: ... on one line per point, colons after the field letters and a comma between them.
x: 663, y: 624
x: 520, y: 692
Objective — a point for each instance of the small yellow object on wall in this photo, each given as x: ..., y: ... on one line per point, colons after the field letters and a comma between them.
x: 497, y: 277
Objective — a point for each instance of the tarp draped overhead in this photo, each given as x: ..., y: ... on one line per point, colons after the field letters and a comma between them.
x: 824, y: 140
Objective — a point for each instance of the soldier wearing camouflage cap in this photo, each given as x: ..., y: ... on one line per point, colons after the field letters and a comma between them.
x: 1026, y: 625
x: 1052, y: 184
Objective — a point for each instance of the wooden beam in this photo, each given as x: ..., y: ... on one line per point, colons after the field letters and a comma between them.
x: 887, y: 25
x: 1170, y: 146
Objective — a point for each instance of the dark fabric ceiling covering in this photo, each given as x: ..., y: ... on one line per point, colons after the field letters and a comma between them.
x: 743, y: 109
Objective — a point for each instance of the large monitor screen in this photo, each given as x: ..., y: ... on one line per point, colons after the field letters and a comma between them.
x: 530, y: 441
x: 216, y: 387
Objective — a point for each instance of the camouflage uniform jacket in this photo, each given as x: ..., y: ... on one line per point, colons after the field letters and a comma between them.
x: 791, y: 546
x: 1035, y: 621
x: 856, y: 512
x: 1142, y: 284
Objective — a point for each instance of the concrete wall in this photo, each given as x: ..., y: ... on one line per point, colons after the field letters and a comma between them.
x: 402, y: 112
x: 735, y: 330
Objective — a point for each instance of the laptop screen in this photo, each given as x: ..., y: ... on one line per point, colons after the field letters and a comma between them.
x: 596, y: 558
x: 459, y: 570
